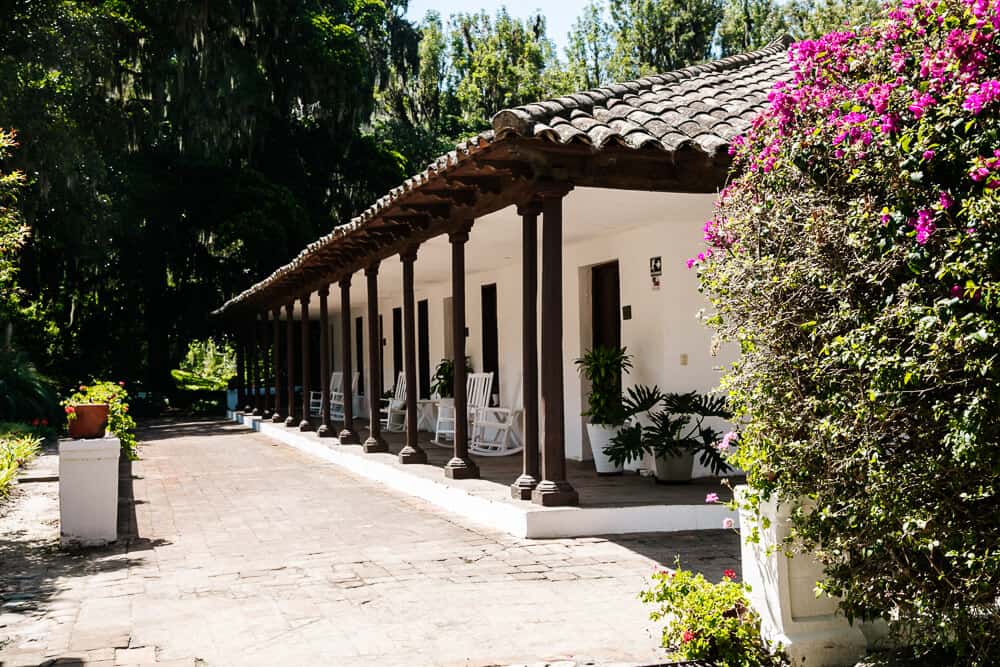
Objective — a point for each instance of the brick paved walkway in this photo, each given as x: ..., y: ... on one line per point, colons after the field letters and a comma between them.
x: 242, y: 551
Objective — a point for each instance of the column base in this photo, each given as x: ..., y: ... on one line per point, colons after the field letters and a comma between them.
x: 349, y: 437
x: 375, y: 445
x: 412, y: 455
x: 255, y: 413
x: 522, y: 487
x: 459, y: 468
x: 248, y: 410
x: 276, y: 418
x: 324, y: 431
x: 305, y: 426
x: 555, y: 494
x: 290, y: 421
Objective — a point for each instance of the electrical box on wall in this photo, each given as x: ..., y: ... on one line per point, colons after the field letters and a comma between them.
x: 626, y: 312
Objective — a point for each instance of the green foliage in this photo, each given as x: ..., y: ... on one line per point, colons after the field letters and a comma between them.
x: 709, y: 621
x: 207, y: 365
x: 856, y: 262
x: 678, y: 427
x: 603, y: 368
x: 120, y: 422
x: 17, y: 447
x: 443, y: 380
x: 25, y: 393
x: 751, y: 24
x: 661, y: 35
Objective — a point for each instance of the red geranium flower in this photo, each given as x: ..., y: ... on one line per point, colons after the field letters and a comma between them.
x: 70, y: 409
x: 729, y: 574
x: 35, y: 422
x: 687, y: 636
x: 121, y: 383
x: 45, y: 422
x: 83, y: 387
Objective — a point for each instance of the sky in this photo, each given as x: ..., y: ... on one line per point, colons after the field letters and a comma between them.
x: 559, y: 14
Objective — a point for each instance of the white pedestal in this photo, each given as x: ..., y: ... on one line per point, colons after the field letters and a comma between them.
x: 782, y: 591
x: 88, y: 491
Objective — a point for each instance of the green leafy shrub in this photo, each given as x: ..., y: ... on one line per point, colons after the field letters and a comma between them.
x: 25, y: 393
x: 443, y: 381
x: 855, y: 259
x: 207, y: 365
x: 17, y: 447
x: 120, y: 422
x: 708, y: 621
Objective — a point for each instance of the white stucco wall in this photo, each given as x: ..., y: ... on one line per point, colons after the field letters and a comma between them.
x: 664, y: 327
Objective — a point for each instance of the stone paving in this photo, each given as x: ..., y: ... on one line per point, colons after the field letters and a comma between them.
x: 240, y: 551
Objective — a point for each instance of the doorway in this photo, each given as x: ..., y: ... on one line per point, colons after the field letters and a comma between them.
x: 397, y: 342
x: 491, y: 335
x: 424, y: 348
x: 606, y: 300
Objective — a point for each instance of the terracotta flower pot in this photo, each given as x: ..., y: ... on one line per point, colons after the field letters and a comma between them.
x: 91, y: 421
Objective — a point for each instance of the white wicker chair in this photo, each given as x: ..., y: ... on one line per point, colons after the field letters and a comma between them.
x: 394, y: 409
x: 337, y: 396
x: 477, y: 390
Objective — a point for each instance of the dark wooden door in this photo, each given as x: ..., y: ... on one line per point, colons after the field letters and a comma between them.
x: 359, y: 346
x: 491, y: 335
x: 606, y: 290
x: 424, y: 348
x: 397, y: 342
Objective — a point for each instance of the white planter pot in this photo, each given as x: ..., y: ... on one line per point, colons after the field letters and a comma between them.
x: 88, y: 491
x: 600, y: 437
x: 674, y: 469
x: 810, y: 628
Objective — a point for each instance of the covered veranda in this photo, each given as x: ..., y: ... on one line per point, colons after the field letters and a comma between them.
x: 664, y: 134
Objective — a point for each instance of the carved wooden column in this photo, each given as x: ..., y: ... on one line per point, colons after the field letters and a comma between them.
x: 254, y: 370
x: 290, y: 420
x: 461, y: 465
x: 265, y: 359
x: 375, y: 442
x: 276, y: 362
x: 347, y: 434
x: 553, y: 489
x: 241, y: 367
x: 522, y: 487
x: 324, y: 430
x: 305, y: 424
x: 411, y: 452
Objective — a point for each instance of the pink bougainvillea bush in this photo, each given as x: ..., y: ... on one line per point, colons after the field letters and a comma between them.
x: 855, y: 259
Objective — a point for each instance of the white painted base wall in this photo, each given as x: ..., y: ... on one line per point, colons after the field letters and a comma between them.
x: 810, y: 628
x: 88, y: 491
x: 489, y: 504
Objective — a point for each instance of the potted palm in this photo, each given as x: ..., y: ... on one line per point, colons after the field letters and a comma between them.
x: 608, y: 413
x: 675, y: 435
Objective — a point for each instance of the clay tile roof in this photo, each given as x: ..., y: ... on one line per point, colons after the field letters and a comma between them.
x: 702, y: 107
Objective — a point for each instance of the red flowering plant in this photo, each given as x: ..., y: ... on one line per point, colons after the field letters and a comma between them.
x: 709, y: 621
x: 120, y: 422
x: 855, y: 259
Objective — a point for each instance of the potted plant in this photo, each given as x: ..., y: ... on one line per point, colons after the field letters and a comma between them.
x: 443, y: 380
x: 676, y: 433
x: 604, y: 367
x: 98, y: 407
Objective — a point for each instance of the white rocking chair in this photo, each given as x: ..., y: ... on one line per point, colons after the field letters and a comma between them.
x: 495, y: 431
x: 337, y: 396
x: 394, y: 409
x: 477, y: 391
x: 316, y: 397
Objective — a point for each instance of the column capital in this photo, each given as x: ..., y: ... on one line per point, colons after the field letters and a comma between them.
x: 344, y: 282
x: 553, y: 190
x: 304, y: 301
x: 409, y: 254
x: 372, y: 269
x: 531, y: 207
x: 324, y: 290
x: 290, y: 308
x: 276, y: 311
x: 460, y: 234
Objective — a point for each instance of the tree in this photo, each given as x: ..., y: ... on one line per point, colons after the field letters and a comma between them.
x: 748, y: 25
x: 589, y: 51
x: 855, y: 260
x: 812, y: 18
x: 661, y: 35
x: 13, y: 234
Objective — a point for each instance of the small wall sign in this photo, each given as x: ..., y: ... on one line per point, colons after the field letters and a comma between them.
x: 656, y: 266
x: 626, y: 312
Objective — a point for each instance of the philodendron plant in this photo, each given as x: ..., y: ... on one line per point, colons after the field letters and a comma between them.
x: 676, y: 428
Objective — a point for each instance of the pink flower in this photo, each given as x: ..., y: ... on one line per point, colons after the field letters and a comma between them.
x: 121, y: 383
x: 946, y: 200
x: 83, y: 387
x: 687, y: 636
x: 956, y: 292
x: 928, y: 155
x: 924, y: 224
x: 690, y: 262
x: 728, y: 523
x: 70, y: 409
x: 727, y: 442
x: 712, y: 498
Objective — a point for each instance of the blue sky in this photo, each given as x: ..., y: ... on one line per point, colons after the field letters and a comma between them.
x: 559, y: 15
